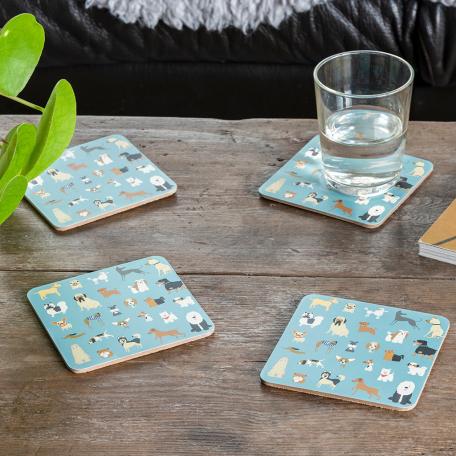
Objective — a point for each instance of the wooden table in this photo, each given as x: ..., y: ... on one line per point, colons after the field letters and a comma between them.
x: 248, y: 261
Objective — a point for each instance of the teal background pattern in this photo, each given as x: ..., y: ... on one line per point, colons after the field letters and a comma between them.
x: 300, y: 183
x: 130, y: 293
x: 363, y: 360
x: 110, y: 170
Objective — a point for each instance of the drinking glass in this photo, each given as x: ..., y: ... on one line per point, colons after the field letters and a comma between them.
x: 363, y: 103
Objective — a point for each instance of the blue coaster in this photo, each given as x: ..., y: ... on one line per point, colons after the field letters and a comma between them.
x: 96, y: 180
x: 356, y: 351
x: 118, y: 313
x: 300, y: 183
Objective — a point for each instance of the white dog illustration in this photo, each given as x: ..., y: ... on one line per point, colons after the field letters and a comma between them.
x: 396, y: 337
x: 386, y: 375
x: 377, y: 313
x: 416, y: 369
x: 436, y: 330
x: 278, y: 370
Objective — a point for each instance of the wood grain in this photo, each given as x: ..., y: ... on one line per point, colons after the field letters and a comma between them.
x: 248, y: 261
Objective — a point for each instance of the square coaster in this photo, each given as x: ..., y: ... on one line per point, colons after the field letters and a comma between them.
x: 356, y: 351
x: 119, y: 313
x: 95, y: 180
x: 300, y: 183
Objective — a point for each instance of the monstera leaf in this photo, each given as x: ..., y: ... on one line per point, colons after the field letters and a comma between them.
x: 21, y: 44
x: 55, y: 129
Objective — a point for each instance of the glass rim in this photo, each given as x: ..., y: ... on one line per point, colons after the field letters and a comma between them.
x: 363, y: 51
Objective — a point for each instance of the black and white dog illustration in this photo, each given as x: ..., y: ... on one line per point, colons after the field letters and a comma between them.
x: 197, y: 322
x: 115, y: 310
x: 403, y: 393
x: 131, y: 157
x: 108, y: 202
x: 325, y: 379
x: 373, y: 214
x: 160, y: 184
x: 312, y: 362
x: 351, y: 346
x: 88, y: 149
x: 54, y: 309
x: 98, y: 337
x: 403, y: 183
x: 423, y: 349
x: 309, y: 319
x: 171, y: 286
x: 76, y: 201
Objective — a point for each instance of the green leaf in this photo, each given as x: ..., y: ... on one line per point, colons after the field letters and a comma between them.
x: 55, y: 129
x: 21, y: 44
x: 20, y: 143
x: 12, y: 196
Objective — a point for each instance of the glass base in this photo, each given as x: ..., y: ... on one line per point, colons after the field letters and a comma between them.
x: 362, y: 186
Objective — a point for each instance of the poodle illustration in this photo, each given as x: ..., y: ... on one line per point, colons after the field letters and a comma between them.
x: 373, y: 214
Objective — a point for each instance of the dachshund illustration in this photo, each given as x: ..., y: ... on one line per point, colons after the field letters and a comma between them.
x: 345, y: 209
x: 160, y: 334
x: 361, y: 386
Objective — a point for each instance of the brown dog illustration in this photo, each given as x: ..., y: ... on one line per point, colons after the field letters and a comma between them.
x: 364, y: 327
x: 160, y: 334
x: 361, y: 386
x: 108, y: 293
x: 131, y: 195
x: 345, y: 209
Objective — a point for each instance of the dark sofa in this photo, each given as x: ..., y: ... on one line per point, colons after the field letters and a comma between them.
x: 128, y: 69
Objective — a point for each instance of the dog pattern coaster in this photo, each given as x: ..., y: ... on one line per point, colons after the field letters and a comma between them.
x: 300, y: 183
x: 356, y: 351
x: 118, y: 313
x: 96, y: 180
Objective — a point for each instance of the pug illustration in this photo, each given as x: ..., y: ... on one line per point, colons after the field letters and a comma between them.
x: 197, y: 322
x: 403, y: 393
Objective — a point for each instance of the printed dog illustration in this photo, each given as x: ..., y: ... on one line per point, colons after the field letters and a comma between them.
x: 159, y: 183
x: 115, y: 311
x: 289, y: 194
x: 390, y: 198
x: 151, y: 302
x: 108, y: 202
x: 350, y: 307
x: 88, y: 149
x: 123, y: 271
x: 42, y: 194
x: 299, y: 378
x: 54, y: 309
x: 372, y: 214
x: 295, y: 350
x: 329, y: 344
x: 130, y: 302
x: 396, y: 337
x: 403, y: 183
x: 312, y: 362
x: 91, y: 318
x: 85, y: 303
x: 338, y: 327
x: 53, y: 289
x: 344, y: 361
x: 372, y: 346
x: 168, y: 317
x: 391, y: 356
x: 79, y: 355
x: 377, y: 313
x: 77, y: 166
x: 436, y: 329
x: 105, y: 353
x: 108, y: 293
x: 99, y: 337
x: 139, y: 286
x: 62, y: 324
x: 135, y: 341
x: 101, y: 277
x: 361, y: 386
x: 362, y: 200
x: 313, y: 198
x: 403, y: 393
x: 386, y: 375
x: 299, y: 336
x: 325, y: 379
x: 146, y: 169
x: 184, y: 302
x: 134, y: 181
x: 416, y: 369
x: 61, y: 216
x: 132, y: 195
x: 369, y: 363
x: 120, y: 171
x: 351, y: 346
x: 197, y: 322
x: 309, y: 319
x: 364, y: 327
x: 423, y: 349
x: 131, y: 157
x: 95, y: 189
x: 161, y: 268
x: 419, y: 169
x: 145, y: 315
x: 121, y: 323
x: 341, y: 206
x: 76, y: 201
x: 326, y: 304
x: 171, y: 286
x: 120, y: 143
x: 37, y: 182
x: 401, y: 316
x: 67, y: 155
x: 103, y: 159
x: 58, y: 176
x: 279, y: 368
x: 161, y: 334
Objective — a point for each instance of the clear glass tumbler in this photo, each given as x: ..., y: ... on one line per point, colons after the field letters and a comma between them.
x: 363, y: 103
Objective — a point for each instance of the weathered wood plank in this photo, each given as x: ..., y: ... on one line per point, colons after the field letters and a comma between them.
x: 217, y: 223
x: 206, y: 398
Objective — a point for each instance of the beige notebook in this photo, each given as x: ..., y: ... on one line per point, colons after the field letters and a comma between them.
x: 439, y: 241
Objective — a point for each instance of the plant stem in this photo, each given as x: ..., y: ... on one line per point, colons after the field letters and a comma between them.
x: 24, y: 102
